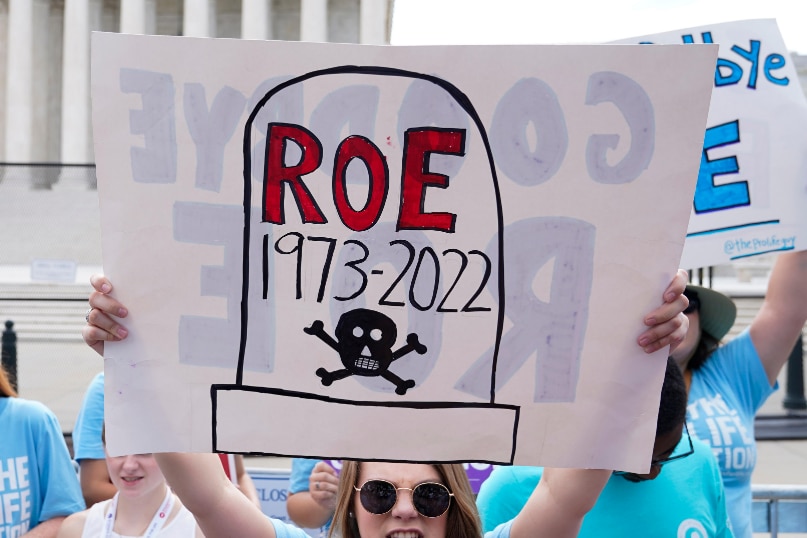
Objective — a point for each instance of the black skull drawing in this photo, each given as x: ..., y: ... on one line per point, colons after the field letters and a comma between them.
x: 364, y: 340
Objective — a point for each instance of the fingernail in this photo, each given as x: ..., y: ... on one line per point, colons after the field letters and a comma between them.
x: 106, y: 288
x: 122, y: 332
x: 643, y: 341
x: 122, y: 312
x: 650, y: 321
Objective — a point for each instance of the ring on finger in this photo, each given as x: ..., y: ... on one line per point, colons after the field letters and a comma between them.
x: 87, y: 315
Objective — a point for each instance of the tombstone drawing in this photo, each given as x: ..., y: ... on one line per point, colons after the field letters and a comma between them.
x: 371, y: 208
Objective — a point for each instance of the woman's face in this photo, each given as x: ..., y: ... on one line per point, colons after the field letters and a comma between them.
x: 135, y: 475
x: 403, y: 521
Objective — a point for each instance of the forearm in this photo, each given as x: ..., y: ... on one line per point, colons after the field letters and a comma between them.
x: 559, y: 503
x: 247, y: 487
x: 95, y: 483
x: 98, y: 492
x: 219, y: 507
x: 781, y: 318
x: 198, y: 479
x: 787, y: 286
x: 305, y: 512
x: 46, y: 529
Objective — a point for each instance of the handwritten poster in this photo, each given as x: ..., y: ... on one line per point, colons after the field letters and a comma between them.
x: 408, y: 254
x: 751, y: 193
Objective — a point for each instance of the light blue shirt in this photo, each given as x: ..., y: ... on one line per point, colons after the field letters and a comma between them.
x: 87, y: 441
x: 725, y: 394
x: 37, y: 479
x: 685, y: 499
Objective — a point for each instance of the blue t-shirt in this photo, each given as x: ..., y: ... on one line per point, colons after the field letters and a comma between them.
x: 301, y: 469
x: 286, y: 530
x: 87, y: 442
x: 685, y: 499
x: 37, y: 479
x: 724, y: 396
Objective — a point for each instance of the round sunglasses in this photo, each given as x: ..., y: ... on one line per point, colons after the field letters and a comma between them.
x: 429, y: 498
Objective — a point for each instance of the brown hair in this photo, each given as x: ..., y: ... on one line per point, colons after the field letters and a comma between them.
x: 6, y: 389
x: 707, y: 344
x: 463, y: 516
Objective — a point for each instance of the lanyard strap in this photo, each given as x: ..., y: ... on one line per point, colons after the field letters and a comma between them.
x: 157, y: 521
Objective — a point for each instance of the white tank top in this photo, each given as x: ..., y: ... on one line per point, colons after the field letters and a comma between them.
x: 182, y: 526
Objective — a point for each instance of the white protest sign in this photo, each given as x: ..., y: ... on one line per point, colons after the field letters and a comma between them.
x: 410, y: 254
x: 752, y: 187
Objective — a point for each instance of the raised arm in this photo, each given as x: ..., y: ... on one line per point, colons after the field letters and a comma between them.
x: 245, y: 483
x: 560, y: 501
x: 46, y: 529
x: 218, y: 506
x: 95, y: 483
x: 779, y: 321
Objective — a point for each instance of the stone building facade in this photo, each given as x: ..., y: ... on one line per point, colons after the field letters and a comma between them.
x: 45, y: 56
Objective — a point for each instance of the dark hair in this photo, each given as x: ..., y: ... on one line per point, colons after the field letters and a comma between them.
x: 694, y: 301
x: 707, y: 344
x: 672, y: 409
x: 6, y: 390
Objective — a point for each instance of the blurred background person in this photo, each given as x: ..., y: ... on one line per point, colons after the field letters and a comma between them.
x: 38, y: 483
x: 143, y: 505
x: 312, y: 493
x: 681, y: 495
x: 88, y: 448
x: 728, y: 383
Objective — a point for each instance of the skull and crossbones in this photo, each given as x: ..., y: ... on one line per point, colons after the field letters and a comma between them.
x: 364, y: 340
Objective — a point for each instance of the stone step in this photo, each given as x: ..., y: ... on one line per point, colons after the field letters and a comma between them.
x: 44, y: 312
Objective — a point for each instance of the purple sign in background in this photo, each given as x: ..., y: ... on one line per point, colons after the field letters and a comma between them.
x: 478, y: 473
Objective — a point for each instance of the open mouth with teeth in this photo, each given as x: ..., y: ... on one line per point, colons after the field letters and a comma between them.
x: 405, y: 534
x: 366, y: 363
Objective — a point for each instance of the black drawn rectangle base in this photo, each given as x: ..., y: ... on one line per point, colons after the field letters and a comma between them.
x: 323, y: 427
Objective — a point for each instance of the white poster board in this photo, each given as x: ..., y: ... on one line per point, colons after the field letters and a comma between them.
x: 751, y: 193
x: 408, y: 254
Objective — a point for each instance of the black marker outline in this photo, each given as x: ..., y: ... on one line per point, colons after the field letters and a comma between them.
x: 465, y: 103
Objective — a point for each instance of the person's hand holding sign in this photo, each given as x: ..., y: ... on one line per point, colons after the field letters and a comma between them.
x: 103, y: 315
x: 667, y: 325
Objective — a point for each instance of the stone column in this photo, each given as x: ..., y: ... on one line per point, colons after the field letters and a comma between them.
x: 314, y: 20
x: 20, y: 80
x: 3, y: 78
x: 80, y: 18
x: 256, y: 19
x: 27, y: 88
x: 137, y: 17
x: 199, y: 18
x: 373, y: 22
